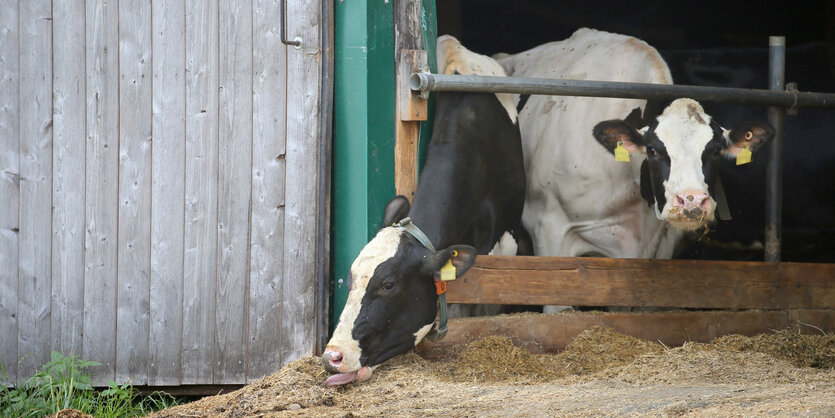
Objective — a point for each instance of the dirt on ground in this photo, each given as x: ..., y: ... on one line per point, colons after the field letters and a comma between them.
x: 600, y: 373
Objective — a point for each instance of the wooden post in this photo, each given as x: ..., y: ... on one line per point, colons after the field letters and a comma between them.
x: 409, y: 108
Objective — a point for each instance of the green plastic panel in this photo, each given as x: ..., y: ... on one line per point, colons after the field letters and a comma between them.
x: 363, y: 140
x: 363, y: 127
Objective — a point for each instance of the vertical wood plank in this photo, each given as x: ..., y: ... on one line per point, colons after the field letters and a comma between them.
x: 134, y: 254
x: 35, y: 256
x: 102, y: 167
x: 268, y: 169
x: 234, y: 165
x: 68, y: 116
x: 200, y: 272
x: 298, y: 327
x: 407, y: 36
x: 9, y: 188
x: 167, y: 192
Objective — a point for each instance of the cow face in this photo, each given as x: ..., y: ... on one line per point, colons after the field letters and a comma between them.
x: 392, y: 303
x: 682, y: 148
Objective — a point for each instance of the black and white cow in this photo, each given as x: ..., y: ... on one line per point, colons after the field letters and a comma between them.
x: 682, y: 150
x: 471, y: 192
x: 581, y: 201
x: 808, y: 155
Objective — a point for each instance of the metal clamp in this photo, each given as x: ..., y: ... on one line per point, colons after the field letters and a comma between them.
x: 297, y: 42
x: 792, y: 88
x: 419, y: 82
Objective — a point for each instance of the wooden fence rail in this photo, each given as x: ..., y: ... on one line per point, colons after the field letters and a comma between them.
x: 744, y: 297
x: 641, y: 282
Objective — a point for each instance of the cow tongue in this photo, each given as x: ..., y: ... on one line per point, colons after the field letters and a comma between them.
x: 356, y: 376
x: 341, y: 379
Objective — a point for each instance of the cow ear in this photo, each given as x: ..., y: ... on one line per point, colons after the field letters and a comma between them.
x: 611, y: 132
x: 752, y: 134
x: 461, y: 256
x: 396, y: 209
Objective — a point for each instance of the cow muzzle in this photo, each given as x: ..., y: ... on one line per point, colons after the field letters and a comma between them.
x: 691, y: 209
x: 692, y: 204
x: 333, y: 361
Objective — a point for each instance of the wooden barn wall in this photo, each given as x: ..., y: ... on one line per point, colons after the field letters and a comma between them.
x: 158, y: 187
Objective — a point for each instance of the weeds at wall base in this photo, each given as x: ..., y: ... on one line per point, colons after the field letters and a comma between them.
x: 62, y: 383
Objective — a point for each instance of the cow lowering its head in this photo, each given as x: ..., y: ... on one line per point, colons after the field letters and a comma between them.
x: 392, y: 303
x: 471, y: 192
x: 682, y: 148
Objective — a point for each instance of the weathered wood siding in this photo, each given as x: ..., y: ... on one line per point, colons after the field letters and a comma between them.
x: 159, y: 187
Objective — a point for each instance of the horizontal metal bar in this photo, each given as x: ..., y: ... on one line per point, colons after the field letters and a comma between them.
x: 425, y: 82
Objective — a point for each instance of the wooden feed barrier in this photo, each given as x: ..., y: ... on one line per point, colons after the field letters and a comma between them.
x: 732, y: 297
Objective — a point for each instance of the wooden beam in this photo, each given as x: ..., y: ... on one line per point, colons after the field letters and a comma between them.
x: 407, y: 37
x: 642, y: 282
x: 411, y: 106
x: 550, y: 333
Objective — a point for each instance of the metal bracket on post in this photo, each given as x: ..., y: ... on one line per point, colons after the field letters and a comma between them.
x: 792, y: 89
x: 413, y: 105
x: 415, y: 82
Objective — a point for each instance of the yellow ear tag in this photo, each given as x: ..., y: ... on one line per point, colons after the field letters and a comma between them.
x: 621, y: 154
x: 744, y: 156
x: 448, y: 271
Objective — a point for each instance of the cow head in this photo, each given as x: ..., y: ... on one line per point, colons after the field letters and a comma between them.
x: 682, y: 148
x: 392, y: 303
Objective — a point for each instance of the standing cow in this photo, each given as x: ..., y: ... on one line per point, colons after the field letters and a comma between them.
x: 471, y: 192
x: 581, y: 201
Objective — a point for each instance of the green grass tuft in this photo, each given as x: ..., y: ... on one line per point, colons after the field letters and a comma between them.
x: 63, y: 383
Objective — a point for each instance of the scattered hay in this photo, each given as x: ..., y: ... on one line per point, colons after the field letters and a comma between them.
x: 691, y: 364
x: 801, y: 350
x: 494, y: 376
x: 599, y: 348
x: 70, y: 413
x: 498, y: 360
x: 298, y: 385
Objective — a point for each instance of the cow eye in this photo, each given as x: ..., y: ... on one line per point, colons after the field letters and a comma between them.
x: 651, y: 150
x: 388, y: 285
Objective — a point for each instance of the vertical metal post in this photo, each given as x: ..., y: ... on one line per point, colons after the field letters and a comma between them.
x: 774, y: 170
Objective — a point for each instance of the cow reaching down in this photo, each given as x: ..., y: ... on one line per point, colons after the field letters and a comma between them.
x: 470, y: 194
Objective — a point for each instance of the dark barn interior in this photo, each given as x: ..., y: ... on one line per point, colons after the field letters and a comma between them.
x: 709, y: 43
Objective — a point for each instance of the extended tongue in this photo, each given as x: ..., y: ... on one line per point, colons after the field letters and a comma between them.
x: 341, y: 379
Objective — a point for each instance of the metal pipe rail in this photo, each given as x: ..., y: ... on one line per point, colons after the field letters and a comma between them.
x: 425, y: 82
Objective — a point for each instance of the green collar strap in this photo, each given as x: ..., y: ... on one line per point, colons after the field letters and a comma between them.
x: 411, y: 228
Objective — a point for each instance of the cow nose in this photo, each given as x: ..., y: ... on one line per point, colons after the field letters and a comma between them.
x: 332, y: 359
x: 693, y: 203
x: 692, y: 200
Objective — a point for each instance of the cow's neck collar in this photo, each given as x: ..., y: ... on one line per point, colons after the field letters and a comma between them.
x: 412, y: 229
x: 438, y: 331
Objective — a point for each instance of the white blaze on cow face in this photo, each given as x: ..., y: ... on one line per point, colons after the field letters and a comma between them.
x: 381, y: 248
x: 685, y: 130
